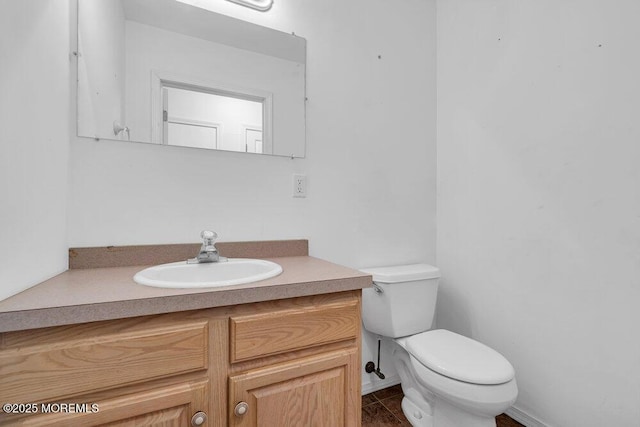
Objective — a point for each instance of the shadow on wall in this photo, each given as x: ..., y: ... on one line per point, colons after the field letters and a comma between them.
x: 452, y: 311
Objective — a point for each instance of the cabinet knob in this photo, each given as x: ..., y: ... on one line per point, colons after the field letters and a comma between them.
x: 241, y: 409
x: 198, y: 419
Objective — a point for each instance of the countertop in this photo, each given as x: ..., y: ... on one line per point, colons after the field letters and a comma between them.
x: 94, y: 294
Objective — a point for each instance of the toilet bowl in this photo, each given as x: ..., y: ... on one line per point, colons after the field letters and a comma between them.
x: 448, y: 380
x: 468, y: 395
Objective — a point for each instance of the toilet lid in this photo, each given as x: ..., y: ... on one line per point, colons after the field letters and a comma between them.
x: 459, y: 357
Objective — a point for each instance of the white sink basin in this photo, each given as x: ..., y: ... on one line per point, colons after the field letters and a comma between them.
x: 234, y: 271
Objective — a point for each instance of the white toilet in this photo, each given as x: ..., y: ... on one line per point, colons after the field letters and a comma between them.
x: 448, y: 380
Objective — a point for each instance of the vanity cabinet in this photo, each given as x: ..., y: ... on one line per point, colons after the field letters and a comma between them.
x: 315, y: 390
x: 151, y: 370
x: 170, y: 406
x: 296, y: 365
x: 275, y: 363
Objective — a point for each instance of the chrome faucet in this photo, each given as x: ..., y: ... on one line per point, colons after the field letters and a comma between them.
x: 208, y: 251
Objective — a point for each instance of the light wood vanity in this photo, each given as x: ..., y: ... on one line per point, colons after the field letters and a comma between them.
x: 273, y: 362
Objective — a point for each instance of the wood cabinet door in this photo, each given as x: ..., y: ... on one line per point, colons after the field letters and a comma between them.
x: 171, y: 406
x: 319, y: 390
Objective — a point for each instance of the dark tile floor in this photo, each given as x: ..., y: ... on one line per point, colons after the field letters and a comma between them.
x: 382, y: 408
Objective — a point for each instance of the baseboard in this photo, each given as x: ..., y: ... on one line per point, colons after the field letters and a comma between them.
x: 524, y: 418
x: 371, y: 386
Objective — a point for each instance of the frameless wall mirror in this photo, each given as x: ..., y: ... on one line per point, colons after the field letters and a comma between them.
x: 166, y: 72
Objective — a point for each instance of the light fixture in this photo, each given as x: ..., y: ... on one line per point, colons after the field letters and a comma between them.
x: 261, y: 5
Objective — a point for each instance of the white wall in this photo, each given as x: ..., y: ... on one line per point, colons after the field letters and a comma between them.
x: 538, y: 198
x: 371, y: 149
x: 34, y: 141
x: 370, y: 153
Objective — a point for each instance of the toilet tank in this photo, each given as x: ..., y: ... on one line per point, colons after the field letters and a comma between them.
x: 402, y: 300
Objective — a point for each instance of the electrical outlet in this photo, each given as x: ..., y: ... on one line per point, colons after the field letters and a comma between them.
x: 299, y: 186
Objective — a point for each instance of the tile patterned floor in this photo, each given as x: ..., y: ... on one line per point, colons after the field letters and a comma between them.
x: 382, y: 408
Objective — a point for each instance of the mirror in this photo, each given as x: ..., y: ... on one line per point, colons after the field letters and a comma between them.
x: 166, y: 72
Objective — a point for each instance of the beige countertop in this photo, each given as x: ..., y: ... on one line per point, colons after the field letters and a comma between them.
x: 93, y: 294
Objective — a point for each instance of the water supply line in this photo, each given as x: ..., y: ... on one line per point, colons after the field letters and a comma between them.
x: 371, y: 367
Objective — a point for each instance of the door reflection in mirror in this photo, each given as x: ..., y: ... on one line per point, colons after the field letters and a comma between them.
x: 202, y: 119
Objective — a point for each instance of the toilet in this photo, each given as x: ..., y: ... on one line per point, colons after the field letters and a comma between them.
x: 448, y: 380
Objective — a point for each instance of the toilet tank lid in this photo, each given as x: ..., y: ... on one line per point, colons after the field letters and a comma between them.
x: 403, y: 273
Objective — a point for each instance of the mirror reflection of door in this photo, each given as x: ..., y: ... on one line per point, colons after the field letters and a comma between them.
x: 253, y: 140
x: 198, y: 118
x: 181, y: 126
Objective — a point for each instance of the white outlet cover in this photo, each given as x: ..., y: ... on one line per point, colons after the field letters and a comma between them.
x: 299, y: 185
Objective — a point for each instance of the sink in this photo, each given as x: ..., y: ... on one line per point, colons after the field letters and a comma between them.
x: 234, y: 271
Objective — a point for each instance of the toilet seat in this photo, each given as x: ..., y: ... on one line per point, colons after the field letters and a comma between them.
x: 458, y: 357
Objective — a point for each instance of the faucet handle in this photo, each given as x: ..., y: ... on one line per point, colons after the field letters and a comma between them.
x: 209, y: 236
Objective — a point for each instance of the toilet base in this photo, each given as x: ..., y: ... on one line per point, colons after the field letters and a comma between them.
x: 416, y: 416
x: 445, y: 415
